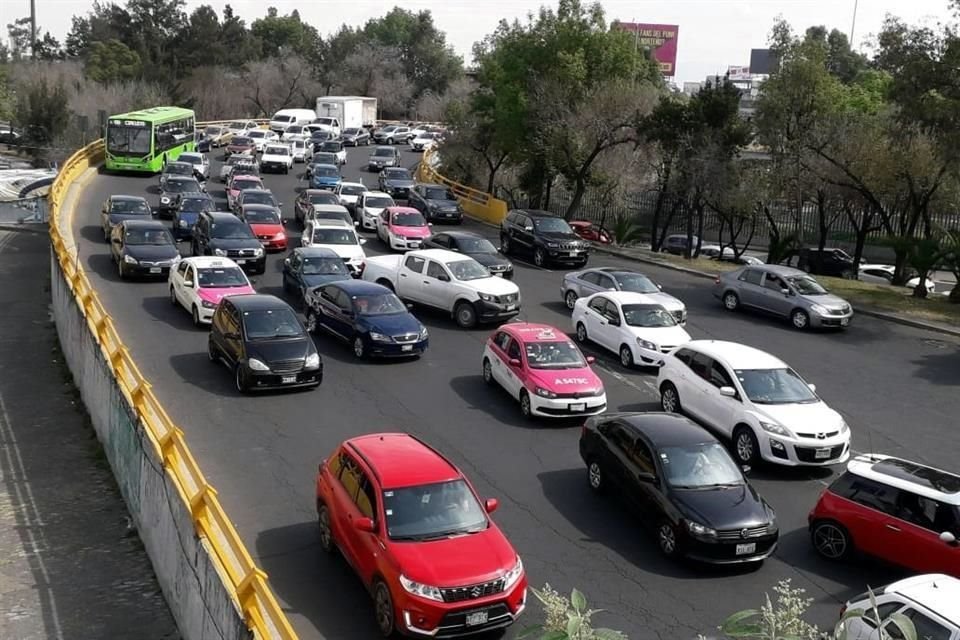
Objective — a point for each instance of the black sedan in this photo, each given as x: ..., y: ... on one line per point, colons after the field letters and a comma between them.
x: 309, y: 267
x: 473, y: 245
x: 683, y: 482
x: 118, y: 208
x: 143, y: 248
x: 355, y: 137
x: 396, y: 181
x: 436, y: 202
x: 170, y: 190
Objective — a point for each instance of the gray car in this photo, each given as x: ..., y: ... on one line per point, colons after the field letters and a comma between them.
x: 581, y: 284
x: 785, y: 292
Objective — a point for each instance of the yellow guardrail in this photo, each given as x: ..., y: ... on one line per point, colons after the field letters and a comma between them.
x: 478, y: 204
x: 246, y: 581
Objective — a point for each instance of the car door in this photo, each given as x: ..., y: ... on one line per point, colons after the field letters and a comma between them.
x: 513, y: 373
x: 383, y: 225
x: 605, y: 282
x: 749, y: 287
x: 773, y: 299
x: 415, y: 199
x: 369, y: 544
x: 588, y: 284
x: 917, y: 543
x: 499, y: 364
x: 178, y: 279
x: 345, y: 492
x: 525, y: 232
x: 596, y: 321
x: 436, y: 286
x: 613, y: 332
x: 872, y: 520
x: 330, y: 314
x: 720, y: 408
x: 410, y: 279
x: 695, y: 387
x: 291, y: 273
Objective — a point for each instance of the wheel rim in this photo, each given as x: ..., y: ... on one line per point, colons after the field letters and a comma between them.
x: 465, y: 316
x: 581, y: 333
x: 730, y: 301
x: 626, y: 358
x: 571, y: 299
x: 196, y: 316
x: 525, y: 404
x: 595, y: 475
x: 668, y: 400
x: 800, y: 320
x: 324, y: 525
x: 830, y: 541
x: 744, y: 447
x: 505, y: 245
x: 311, y: 322
x: 358, y: 347
x: 173, y: 296
x: 211, y: 352
x: 487, y: 371
x: 384, y: 610
x: 538, y: 257
x: 238, y: 378
x: 668, y: 540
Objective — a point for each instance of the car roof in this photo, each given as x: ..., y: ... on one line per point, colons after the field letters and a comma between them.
x: 361, y: 287
x: 537, y: 213
x: 196, y: 194
x: 202, y: 262
x: 191, y: 153
x: 330, y: 208
x: 143, y: 224
x: 174, y: 163
x: 911, y: 476
x: 400, y: 460
x: 255, y: 190
x: 535, y: 331
x: 248, y: 176
x: 935, y: 591
x: 432, y: 185
x: 460, y: 234
x: 316, y: 252
x: 613, y: 270
x: 316, y: 192
x: 221, y: 216
x: 346, y: 183
x: 628, y: 297
x: 383, y: 146
x: 257, y: 301
x: 779, y: 269
x: 376, y: 193
x: 326, y: 166
x: 121, y: 197
x: 442, y: 255
x: 401, y: 209
x: 668, y: 429
x: 396, y: 170
x: 330, y: 223
x: 736, y: 355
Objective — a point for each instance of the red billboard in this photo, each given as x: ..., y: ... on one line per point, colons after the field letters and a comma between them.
x: 660, y: 39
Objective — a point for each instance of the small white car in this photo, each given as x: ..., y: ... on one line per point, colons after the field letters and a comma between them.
x: 301, y: 149
x: 242, y: 127
x: 931, y: 602
x: 883, y: 274
x: 262, y: 137
x: 634, y: 325
x: 200, y: 162
x: 756, y: 400
x: 199, y: 283
x: 338, y: 236
x: 424, y: 141
x: 349, y: 193
x: 296, y: 132
x: 277, y: 157
x: 370, y: 204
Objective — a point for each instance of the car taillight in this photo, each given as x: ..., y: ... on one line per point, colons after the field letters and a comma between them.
x: 716, y: 280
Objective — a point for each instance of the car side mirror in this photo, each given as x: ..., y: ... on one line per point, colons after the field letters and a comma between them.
x: 948, y: 538
x: 813, y: 387
x: 746, y: 469
x: 409, y: 305
x: 785, y: 292
x: 614, y: 322
x: 728, y: 392
x: 514, y: 362
x: 443, y: 277
x: 491, y: 505
x: 644, y: 476
x: 188, y: 283
x: 659, y: 286
x: 429, y: 224
x: 591, y: 359
x: 528, y: 228
x: 286, y: 261
x: 364, y: 524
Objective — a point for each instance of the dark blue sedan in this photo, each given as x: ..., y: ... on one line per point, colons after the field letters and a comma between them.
x: 369, y: 317
x: 188, y: 208
x: 309, y: 267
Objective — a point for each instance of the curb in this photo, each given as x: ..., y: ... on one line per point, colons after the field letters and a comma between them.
x: 40, y: 229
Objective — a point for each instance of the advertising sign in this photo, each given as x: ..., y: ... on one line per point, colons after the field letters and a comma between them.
x: 660, y: 39
x: 738, y: 73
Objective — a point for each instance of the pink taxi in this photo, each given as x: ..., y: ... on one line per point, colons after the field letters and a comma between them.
x: 199, y: 283
x: 544, y: 370
x: 238, y: 183
x: 402, y: 228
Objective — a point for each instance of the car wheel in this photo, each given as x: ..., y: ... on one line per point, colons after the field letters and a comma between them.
x: 196, y: 316
x: 669, y: 398
x: 667, y: 539
x: 120, y: 271
x: 359, y: 349
x: 487, y: 371
x: 466, y: 315
x: 389, y: 140
x: 526, y: 408
x: 212, y: 353
x: 595, y: 477
x: 570, y: 297
x: 323, y: 529
x: 626, y: 356
x: 173, y: 297
x: 831, y: 540
x: 386, y: 283
x: 106, y: 236
x: 582, y: 333
x: 240, y: 379
x: 383, y: 606
x: 745, y: 445
x: 539, y: 257
x: 505, y: 245
x: 800, y: 319
x: 731, y: 301
x: 311, y: 320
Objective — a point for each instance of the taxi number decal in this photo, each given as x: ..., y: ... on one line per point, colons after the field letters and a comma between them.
x: 570, y: 381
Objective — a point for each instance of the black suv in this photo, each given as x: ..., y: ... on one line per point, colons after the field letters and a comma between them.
x: 436, y: 202
x: 218, y: 233
x: 261, y: 340
x: 546, y: 236
x: 829, y: 262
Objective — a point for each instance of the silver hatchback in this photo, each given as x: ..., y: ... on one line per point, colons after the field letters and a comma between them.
x: 783, y: 291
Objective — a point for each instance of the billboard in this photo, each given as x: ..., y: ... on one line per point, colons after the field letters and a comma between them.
x: 738, y: 73
x: 660, y: 39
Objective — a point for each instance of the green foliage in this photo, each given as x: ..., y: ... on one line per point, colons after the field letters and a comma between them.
x: 280, y: 36
x: 626, y: 230
x: 42, y: 111
x: 18, y: 33
x: 112, y: 61
x: 567, y: 619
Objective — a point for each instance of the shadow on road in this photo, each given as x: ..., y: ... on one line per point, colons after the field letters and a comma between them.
x: 495, y: 402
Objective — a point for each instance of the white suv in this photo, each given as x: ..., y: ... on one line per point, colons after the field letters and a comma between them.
x: 756, y: 400
x: 931, y: 602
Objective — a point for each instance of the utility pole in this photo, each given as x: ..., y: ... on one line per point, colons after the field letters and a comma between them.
x: 853, y: 24
x: 33, y: 29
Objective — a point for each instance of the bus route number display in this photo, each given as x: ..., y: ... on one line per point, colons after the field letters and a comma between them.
x: 129, y: 123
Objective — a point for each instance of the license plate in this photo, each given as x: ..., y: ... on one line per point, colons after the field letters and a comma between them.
x: 154, y: 269
x: 499, y: 275
x: 406, y: 347
x: 415, y: 245
x: 821, y: 454
x: 240, y: 261
x: 844, y: 322
x: 510, y: 307
x: 580, y: 406
x: 477, y: 617
x: 744, y: 549
x: 288, y: 379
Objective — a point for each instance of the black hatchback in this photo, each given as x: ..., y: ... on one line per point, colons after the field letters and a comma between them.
x: 261, y: 340
x: 143, y: 248
x: 545, y: 236
x: 684, y: 483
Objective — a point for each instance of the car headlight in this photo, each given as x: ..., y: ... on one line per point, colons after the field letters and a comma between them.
x: 698, y: 530
x: 165, y: 200
x: 844, y: 427
x: 130, y: 259
x: 379, y: 337
x: 257, y: 365
x: 220, y: 252
x: 184, y: 224
x: 206, y: 304
x: 646, y: 344
x: 510, y: 577
x: 312, y: 361
x: 280, y: 236
x: 419, y: 589
x: 819, y: 309
x: 424, y: 334
x: 258, y: 252
x: 545, y: 393
x: 486, y: 297
x: 553, y: 245
x: 773, y: 427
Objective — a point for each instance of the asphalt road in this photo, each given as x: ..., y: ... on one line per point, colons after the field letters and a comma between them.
x: 896, y: 387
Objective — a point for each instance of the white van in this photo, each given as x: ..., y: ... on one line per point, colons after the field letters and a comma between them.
x: 286, y: 117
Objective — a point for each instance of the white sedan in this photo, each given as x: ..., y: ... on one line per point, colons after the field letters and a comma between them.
x: 349, y: 193
x: 883, y: 274
x: 634, y: 325
x: 199, y: 283
x: 338, y: 236
x: 262, y: 137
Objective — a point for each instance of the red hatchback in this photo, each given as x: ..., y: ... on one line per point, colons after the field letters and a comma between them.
x: 900, y: 511
x: 412, y: 527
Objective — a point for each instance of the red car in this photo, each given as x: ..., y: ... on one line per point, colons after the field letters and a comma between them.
x: 589, y: 231
x: 900, y: 511
x: 413, y: 528
x: 241, y: 144
x: 267, y: 225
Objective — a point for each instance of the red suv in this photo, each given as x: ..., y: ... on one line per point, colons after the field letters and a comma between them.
x: 413, y: 528
x: 900, y: 511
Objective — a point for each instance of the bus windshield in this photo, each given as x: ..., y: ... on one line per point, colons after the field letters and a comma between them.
x: 128, y: 141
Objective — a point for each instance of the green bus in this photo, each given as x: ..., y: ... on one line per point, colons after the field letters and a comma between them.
x: 143, y: 140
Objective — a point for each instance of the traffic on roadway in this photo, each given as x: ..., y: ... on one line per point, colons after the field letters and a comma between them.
x: 636, y: 439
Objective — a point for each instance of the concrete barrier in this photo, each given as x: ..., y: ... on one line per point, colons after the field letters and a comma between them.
x: 477, y: 204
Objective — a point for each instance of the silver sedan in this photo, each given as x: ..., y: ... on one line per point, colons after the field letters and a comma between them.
x: 580, y: 284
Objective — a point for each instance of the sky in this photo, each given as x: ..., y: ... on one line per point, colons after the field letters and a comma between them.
x: 713, y: 34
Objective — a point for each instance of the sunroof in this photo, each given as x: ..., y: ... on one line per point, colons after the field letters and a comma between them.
x: 918, y: 474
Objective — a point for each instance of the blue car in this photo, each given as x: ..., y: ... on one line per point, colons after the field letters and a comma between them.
x: 369, y: 317
x: 307, y: 268
x: 188, y: 208
x: 325, y: 176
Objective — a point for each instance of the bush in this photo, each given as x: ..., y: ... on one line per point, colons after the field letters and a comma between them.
x: 567, y: 619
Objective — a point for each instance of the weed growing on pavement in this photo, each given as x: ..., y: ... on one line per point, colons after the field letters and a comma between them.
x: 567, y: 619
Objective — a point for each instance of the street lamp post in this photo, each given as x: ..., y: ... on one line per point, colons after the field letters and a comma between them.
x: 853, y: 24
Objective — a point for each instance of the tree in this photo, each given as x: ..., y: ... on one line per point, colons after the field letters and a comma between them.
x: 18, y: 33
x: 375, y: 71
x: 200, y: 43
x: 48, y: 48
x: 271, y: 85
x: 284, y: 35
x: 112, y: 61
x: 42, y: 111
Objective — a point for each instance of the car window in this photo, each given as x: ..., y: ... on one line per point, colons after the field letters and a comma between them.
x: 599, y: 305
x: 684, y: 356
x: 773, y: 283
x: 622, y: 438
x: 366, y: 498
x: 334, y: 464
x: 927, y: 513
x: 926, y: 628
x: 343, y: 300
x: 513, y: 350
x: 591, y: 277
x: 866, y: 492
x: 434, y: 270
x: 414, y: 263
x: 501, y: 340
x: 612, y: 311
x: 606, y: 281
x: 719, y: 376
x: 182, y: 269
x: 442, y: 240
x: 642, y: 457
x: 350, y: 476
x: 700, y: 364
x: 753, y: 276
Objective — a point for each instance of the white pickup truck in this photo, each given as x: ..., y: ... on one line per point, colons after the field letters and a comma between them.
x: 276, y: 157
x: 449, y: 281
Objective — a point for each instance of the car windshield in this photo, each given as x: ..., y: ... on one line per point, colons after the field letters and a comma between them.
x: 261, y: 216
x: 383, y: 152
x: 268, y: 324
x: 233, y: 161
x: 323, y: 267
x: 232, y: 231
x: 129, y: 141
x: 433, y: 511
x: 378, y: 202
x: 326, y: 172
x: 213, y: 131
x: 381, y: 304
x: 775, y: 386
x: 240, y: 185
x: 554, y: 355
x: 331, y: 147
x: 258, y: 197
x: 277, y: 151
x: 647, y: 315
x: 351, y: 190
x: 129, y: 206
x: 196, y: 205
x: 807, y: 286
x: 699, y: 466
x: 351, y: 132
x: 323, y: 198
x: 283, y: 118
x: 409, y: 219
x: 466, y: 270
x: 475, y: 245
x: 551, y: 225
x: 216, y: 278
x: 192, y: 158
x: 636, y: 283
x: 181, y: 168
x: 181, y: 186
x: 257, y: 134
x: 397, y: 174
x: 439, y: 194
x: 147, y: 236
x: 236, y: 125
x: 324, y: 158
x: 334, y: 236
x: 241, y: 140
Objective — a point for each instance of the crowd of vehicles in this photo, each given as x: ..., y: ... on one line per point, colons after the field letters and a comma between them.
x: 410, y: 523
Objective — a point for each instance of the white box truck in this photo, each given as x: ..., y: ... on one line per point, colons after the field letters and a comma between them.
x: 351, y: 111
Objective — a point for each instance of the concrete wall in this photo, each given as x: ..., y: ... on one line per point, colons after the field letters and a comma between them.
x: 195, y: 591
